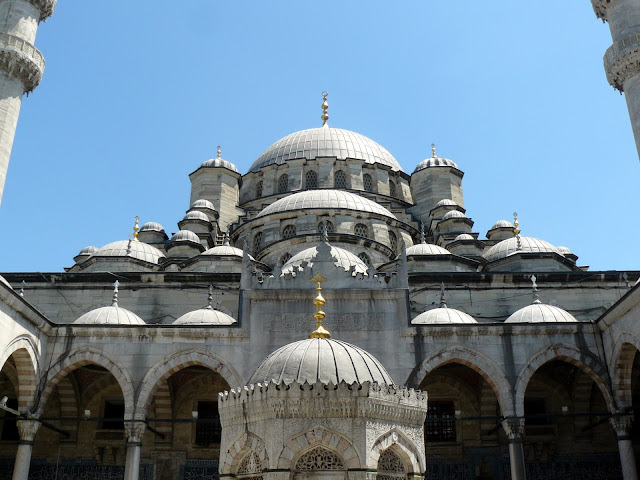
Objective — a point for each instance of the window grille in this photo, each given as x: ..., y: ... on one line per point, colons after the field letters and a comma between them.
x: 257, y: 241
x: 393, y: 242
x: 328, y: 224
x: 319, y: 458
x: 365, y: 258
x: 285, y: 258
x: 289, y: 231
x: 208, y: 427
x: 311, y: 179
x: 361, y: 230
x: 440, y: 425
x: 250, y: 466
x: 368, y: 182
x: 283, y: 183
x: 259, y: 189
x: 392, y: 188
x: 340, y: 179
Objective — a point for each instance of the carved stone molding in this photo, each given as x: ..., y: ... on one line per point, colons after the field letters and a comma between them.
x: 28, y: 429
x: 600, y: 8
x: 134, y: 430
x: 622, y: 60
x: 514, y: 427
x: 21, y: 60
x: 622, y: 424
x: 46, y: 7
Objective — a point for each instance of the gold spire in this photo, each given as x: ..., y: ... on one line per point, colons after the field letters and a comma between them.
x: 516, y: 230
x: 325, y: 107
x: 219, y: 151
x: 320, y: 331
x: 433, y: 150
x: 135, y: 230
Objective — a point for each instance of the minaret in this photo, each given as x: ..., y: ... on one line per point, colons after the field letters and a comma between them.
x: 21, y: 65
x: 622, y: 59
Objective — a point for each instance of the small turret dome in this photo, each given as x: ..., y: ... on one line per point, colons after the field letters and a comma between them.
x: 152, y: 227
x: 343, y: 259
x: 564, y: 250
x: 131, y: 248
x: 446, y: 202
x: 453, y: 214
x: 220, y: 163
x: 90, y: 250
x: 226, y: 250
x: 436, y: 162
x: 185, y: 236
x: 322, y: 360
x: 196, y: 215
x: 464, y: 236
x: 502, y: 224
x: 540, y: 313
x: 518, y: 244
x: 112, y: 315
x: 205, y: 316
x: 426, y: 249
x: 202, y: 203
x: 442, y: 315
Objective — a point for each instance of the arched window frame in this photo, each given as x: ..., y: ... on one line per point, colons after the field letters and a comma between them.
x: 392, y: 188
x: 259, y: 189
x: 311, y: 180
x: 283, y: 183
x: 289, y: 231
x: 340, y: 179
x: 365, y: 258
x: 393, y: 241
x: 328, y: 224
x: 367, y: 183
x: 361, y: 230
x: 257, y: 241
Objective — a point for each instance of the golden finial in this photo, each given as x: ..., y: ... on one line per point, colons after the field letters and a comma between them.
x: 325, y: 107
x: 516, y: 230
x: 219, y: 151
x: 433, y: 150
x: 135, y: 230
x: 320, y: 331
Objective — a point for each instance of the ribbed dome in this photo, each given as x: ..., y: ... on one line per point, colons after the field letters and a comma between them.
x: 220, y: 162
x: 443, y: 315
x: 453, y: 214
x: 196, y: 215
x: 426, y: 249
x: 90, y: 250
x: 446, y: 201
x: 510, y: 246
x: 321, y: 360
x: 464, y: 236
x: 343, y: 259
x: 502, y: 224
x: 325, y: 199
x: 203, y: 204
x: 130, y: 248
x: 225, y: 251
x: 540, y: 313
x: 185, y: 236
x: 564, y: 250
x: 112, y: 315
x: 325, y: 142
x: 436, y: 162
x: 205, y: 316
x: 152, y: 227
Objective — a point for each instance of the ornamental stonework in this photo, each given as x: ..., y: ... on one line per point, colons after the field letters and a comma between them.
x: 319, y: 458
x: 21, y: 60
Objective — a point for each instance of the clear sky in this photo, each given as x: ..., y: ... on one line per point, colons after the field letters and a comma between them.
x: 136, y: 94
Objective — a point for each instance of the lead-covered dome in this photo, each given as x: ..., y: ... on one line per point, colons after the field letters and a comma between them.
x: 131, y: 248
x: 321, y: 360
x: 343, y: 259
x: 436, y: 162
x: 426, y: 249
x: 220, y: 163
x: 540, y: 313
x: 112, y: 315
x: 442, y: 315
x: 325, y: 142
x: 325, y: 199
x: 205, y: 316
x: 518, y: 244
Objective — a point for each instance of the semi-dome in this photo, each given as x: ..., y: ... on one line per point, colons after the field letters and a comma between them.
x: 343, y: 259
x: 325, y: 142
x: 322, y: 360
x: 446, y: 202
x: 518, y: 244
x: 436, y: 162
x: 540, y: 313
x: 442, y: 315
x: 185, y: 236
x: 325, y: 199
x: 220, y: 162
x: 426, y: 249
x: 202, y: 203
x: 453, y: 214
x: 502, y: 224
x: 196, y: 215
x: 205, y: 316
x: 131, y: 248
x: 152, y: 227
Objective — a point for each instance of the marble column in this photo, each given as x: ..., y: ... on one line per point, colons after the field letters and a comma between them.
x: 134, y: 430
x: 622, y: 425
x: 27, y: 429
x: 514, y: 427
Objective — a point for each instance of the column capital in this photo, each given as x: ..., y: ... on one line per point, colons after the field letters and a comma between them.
x: 622, y: 423
x: 27, y: 429
x: 514, y: 428
x: 134, y: 429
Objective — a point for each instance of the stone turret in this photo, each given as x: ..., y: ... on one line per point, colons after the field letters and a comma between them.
x: 21, y: 65
x: 622, y: 59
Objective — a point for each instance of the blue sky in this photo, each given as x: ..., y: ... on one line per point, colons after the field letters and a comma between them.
x: 137, y: 94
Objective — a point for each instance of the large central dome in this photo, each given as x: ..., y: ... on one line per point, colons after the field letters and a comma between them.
x: 325, y: 142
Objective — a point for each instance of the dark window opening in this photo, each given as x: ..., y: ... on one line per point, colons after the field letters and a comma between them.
x: 208, y: 428
x: 535, y: 411
x: 9, y: 425
x: 440, y: 425
x: 113, y: 416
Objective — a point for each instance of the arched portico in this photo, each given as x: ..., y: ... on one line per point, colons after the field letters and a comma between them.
x: 24, y: 353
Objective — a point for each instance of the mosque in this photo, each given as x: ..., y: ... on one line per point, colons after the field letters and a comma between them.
x: 323, y: 315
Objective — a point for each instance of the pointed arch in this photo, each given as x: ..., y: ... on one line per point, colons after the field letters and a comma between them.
x: 25, y: 354
x: 621, y: 366
x: 570, y: 354
x: 319, y: 435
x: 401, y: 444
x: 239, y: 449
x: 489, y: 370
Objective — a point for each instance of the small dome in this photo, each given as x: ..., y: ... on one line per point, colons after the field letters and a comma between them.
x: 564, y: 250
x: 510, y: 246
x: 90, y: 250
x: 325, y: 199
x: 152, y: 227
x: 112, y: 315
x: 202, y: 203
x: 446, y: 201
x: 131, y: 248
x: 343, y: 259
x: 325, y: 142
x: 453, y: 214
x: 196, y: 215
x: 442, y: 315
x: 427, y: 249
x: 185, y: 236
x: 436, y: 162
x: 225, y: 251
x: 321, y: 360
x: 220, y: 162
x: 205, y: 316
x: 464, y: 236
x: 540, y: 313
x: 502, y: 224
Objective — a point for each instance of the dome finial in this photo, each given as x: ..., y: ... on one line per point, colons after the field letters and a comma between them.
x: 422, y: 239
x: 325, y: 107
x: 433, y: 150
x: 219, y: 151
x: 135, y: 230
x: 516, y: 230
x: 114, y: 301
x: 536, y: 297
x: 210, y: 298
x: 325, y: 232
x: 443, y: 302
x: 320, y: 331
x: 225, y: 241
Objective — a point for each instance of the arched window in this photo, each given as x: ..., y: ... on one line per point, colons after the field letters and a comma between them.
x: 328, y: 224
x: 391, y: 466
x: 257, y: 241
x: 392, y: 188
x: 289, y: 231
x: 365, y: 258
x: 340, y: 179
x: 320, y: 458
x: 283, y: 183
x: 368, y: 182
x: 311, y: 179
x: 250, y: 467
x: 285, y: 258
x: 361, y: 230
x: 259, y: 189
x: 393, y: 242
